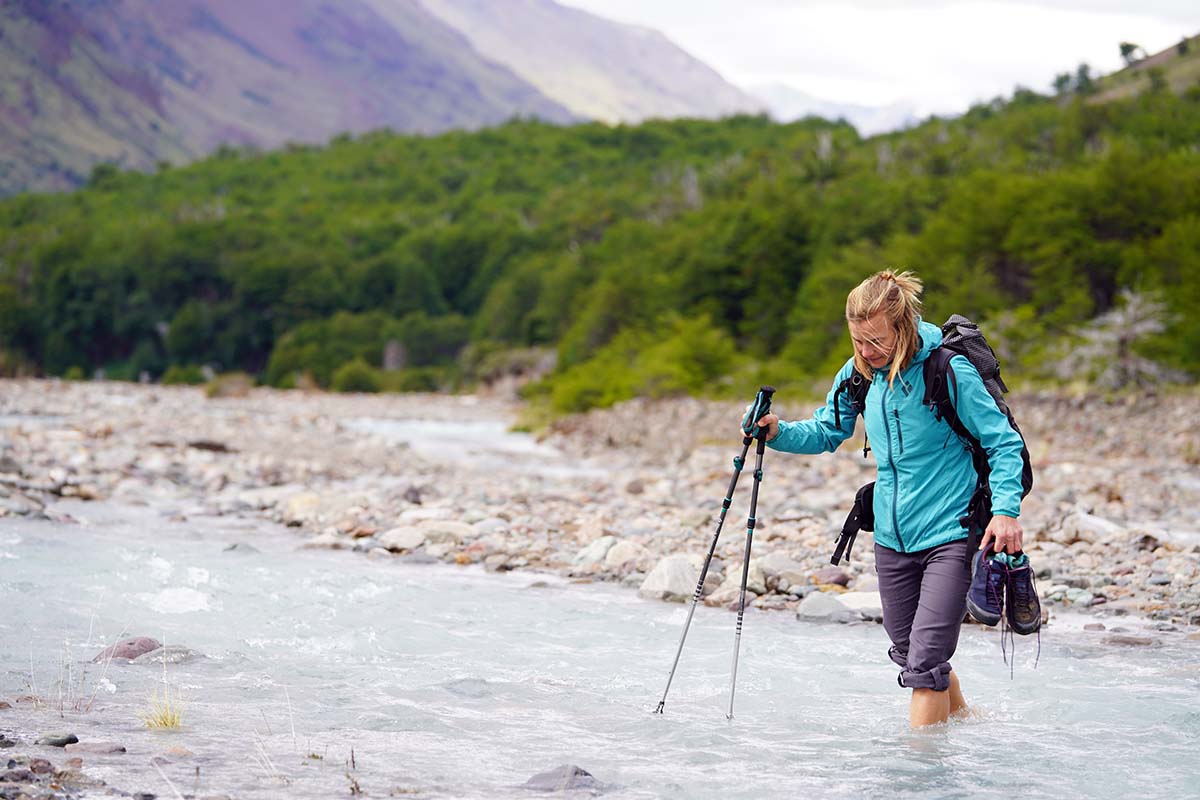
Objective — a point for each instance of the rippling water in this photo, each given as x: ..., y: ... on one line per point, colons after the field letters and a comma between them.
x: 449, y: 682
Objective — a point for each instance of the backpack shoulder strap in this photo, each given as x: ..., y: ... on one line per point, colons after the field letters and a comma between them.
x: 855, y: 387
x: 941, y: 387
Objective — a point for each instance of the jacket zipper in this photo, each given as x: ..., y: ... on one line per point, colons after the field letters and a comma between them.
x: 899, y: 429
x: 892, y: 463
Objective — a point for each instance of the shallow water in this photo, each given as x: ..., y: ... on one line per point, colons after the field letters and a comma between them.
x: 483, y: 443
x: 449, y: 682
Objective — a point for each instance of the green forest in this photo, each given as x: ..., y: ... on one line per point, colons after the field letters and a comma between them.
x: 668, y: 257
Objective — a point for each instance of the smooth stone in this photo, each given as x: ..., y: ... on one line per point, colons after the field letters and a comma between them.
x: 169, y: 654
x: 4, y: 704
x: 326, y: 541
x: 866, y: 583
x: 6, y: 743
x: 407, y: 537
x: 1159, y: 580
x: 1094, y: 626
x: 19, y: 775
x: 490, y: 525
x: 673, y: 578
x: 564, y: 778
x: 594, y: 554
x: 1080, y: 597
x: 822, y: 607
x: 777, y: 565
x: 868, y: 604
x: 241, y: 547
x: 128, y: 648
x: 1081, y: 527
x: 379, y: 553
x: 439, y: 531
x: 97, y: 748
x: 756, y: 580
x: 1130, y: 640
x: 623, y: 553
x: 40, y: 766
x: 57, y: 739
x: 831, y: 574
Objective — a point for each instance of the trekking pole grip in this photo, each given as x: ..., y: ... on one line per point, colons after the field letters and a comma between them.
x: 758, y: 409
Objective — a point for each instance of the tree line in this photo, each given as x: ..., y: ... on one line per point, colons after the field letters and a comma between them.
x: 670, y: 256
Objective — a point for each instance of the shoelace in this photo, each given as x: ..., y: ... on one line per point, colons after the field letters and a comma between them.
x: 1008, y: 637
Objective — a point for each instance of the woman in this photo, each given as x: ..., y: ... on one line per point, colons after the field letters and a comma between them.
x: 925, y: 481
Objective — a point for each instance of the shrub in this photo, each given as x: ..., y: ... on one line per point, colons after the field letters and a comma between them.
x: 231, y: 384
x: 356, y: 375
x: 189, y: 375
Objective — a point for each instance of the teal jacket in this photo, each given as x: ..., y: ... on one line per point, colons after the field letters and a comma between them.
x: 925, y: 476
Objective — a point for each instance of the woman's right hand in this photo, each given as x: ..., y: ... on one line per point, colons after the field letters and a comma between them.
x: 768, y: 421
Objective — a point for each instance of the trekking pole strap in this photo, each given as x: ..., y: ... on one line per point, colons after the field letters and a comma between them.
x: 860, y: 518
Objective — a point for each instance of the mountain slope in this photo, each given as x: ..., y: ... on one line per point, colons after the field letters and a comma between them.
x: 598, y: 68
x: 138, y: 81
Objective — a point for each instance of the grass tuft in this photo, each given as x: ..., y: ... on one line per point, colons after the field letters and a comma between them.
x: 165, y: 711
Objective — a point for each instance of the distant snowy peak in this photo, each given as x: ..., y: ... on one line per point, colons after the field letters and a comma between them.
x: 786, y: 103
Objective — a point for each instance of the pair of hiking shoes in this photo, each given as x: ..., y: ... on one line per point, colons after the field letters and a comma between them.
x: 1002, y: 587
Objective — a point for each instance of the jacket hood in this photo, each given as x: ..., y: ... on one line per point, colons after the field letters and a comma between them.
x: 931, y: 339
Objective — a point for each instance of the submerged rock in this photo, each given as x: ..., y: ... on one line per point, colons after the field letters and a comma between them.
x: 128, y: 649
x: 170, y: 654
x: 96, y: 748
x: 563, y: 778
x: 1130, y: 640
x: 57, y: 739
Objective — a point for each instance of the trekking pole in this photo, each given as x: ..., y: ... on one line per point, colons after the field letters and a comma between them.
x: 758, y: 473
x: 760, y: 407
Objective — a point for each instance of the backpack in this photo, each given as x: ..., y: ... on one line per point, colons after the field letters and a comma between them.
x: 960, y: 336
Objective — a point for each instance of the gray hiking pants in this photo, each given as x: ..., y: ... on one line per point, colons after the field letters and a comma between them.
x: 924, y: 598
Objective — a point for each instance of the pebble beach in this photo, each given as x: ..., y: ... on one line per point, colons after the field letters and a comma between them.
x: 628, y: 494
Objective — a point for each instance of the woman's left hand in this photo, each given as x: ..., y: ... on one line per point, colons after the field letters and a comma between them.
x: 1006, y: 532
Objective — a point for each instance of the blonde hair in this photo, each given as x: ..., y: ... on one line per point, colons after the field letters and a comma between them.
x: 898, y: 297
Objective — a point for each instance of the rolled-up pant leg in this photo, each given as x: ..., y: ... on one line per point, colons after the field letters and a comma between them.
x: 924, y: 598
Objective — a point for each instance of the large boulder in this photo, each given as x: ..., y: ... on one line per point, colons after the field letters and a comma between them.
x: 1081, y: 527
x: 673, y: 578
x: 128, y: 649
x: 824, y: 607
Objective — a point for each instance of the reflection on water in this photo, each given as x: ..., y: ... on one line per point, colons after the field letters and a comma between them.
x: 449, y: 682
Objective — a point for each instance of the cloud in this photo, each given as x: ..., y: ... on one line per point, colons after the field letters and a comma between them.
x: 941, y: 56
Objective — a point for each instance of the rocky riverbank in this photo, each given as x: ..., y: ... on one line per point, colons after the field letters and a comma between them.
x: 628, y: 494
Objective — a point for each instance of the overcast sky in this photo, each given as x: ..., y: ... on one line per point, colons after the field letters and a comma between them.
x: 939, y: 56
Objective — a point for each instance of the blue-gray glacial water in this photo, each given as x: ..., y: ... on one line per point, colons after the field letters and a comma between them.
x: 327, y: 671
